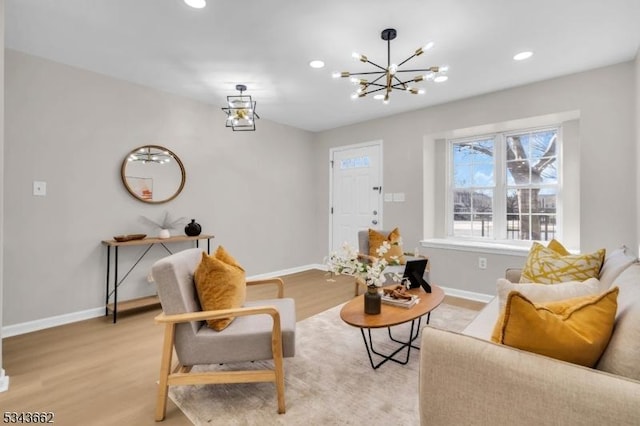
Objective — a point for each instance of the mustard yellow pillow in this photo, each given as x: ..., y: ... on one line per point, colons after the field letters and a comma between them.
x: 395, y: 254
x: 221, y: 284
x: 573, y: 330
x: 546, y: 266
x: 556, y: 246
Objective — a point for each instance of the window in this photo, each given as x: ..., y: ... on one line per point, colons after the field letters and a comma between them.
x: 505, y: 186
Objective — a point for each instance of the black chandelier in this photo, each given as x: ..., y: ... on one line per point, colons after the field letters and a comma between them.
x: 386, y: 79
x: 241, y: 111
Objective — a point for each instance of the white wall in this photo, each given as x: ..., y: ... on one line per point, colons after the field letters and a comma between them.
x: 607, y: 168
x: 72, y: 129
x: 3, y: 378
x: 637, y: 115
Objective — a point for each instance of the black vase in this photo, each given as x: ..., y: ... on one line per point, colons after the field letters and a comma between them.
x: 193, y: 229
x: 372, y: 301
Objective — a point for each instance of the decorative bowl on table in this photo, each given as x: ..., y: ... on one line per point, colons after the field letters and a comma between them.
x: 130, y: 237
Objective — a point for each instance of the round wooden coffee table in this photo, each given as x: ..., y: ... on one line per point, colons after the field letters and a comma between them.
x: 353, y: 314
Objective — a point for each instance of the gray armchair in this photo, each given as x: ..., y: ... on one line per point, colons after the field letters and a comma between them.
x: 363, y: 250
x: 262, y: 330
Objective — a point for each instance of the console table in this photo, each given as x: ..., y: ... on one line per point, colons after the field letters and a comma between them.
x: 150, y: 242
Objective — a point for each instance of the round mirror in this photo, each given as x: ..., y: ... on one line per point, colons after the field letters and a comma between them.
x: 153, y: 174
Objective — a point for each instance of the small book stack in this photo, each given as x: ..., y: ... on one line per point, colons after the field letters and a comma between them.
x: 403, y: 303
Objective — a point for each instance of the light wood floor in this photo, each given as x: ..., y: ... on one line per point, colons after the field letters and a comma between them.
x: 97, y: 373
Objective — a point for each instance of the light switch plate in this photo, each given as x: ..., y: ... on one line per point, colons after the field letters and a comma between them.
x: 39, y: 188
x: 398, y: 197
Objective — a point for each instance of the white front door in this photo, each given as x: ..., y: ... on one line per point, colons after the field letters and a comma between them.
x: 356, y: 192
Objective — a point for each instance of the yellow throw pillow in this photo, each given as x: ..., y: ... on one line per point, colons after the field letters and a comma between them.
x: 395, y: 254
x: 221, y: 284
x: 556, y: 246
x: 546, y: 266
x: 573, y: 330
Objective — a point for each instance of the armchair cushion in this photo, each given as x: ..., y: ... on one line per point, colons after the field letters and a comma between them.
x: 574, y: 330
x: 220, y: 282
x: 247, y: 338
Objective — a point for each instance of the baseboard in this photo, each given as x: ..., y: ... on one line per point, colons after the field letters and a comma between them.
x: 464, y: 294
x: 4, y: 381
x: 288, y: 271
x: 41, y: 324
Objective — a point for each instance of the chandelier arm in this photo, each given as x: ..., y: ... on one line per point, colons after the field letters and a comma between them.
x: 351, y: 74
x: 407, y: 60
x: 399, y: 82
x: 417, y: 70
x: 374, y: 91
x: 376, y: 65
x: 376, y: 80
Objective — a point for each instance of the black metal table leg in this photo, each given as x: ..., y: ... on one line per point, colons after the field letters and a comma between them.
x: 106, y: 308
x: 413, y: 335
x: 115, y: 287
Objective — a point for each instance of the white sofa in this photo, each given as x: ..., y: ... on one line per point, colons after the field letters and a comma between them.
x: 465, y: 379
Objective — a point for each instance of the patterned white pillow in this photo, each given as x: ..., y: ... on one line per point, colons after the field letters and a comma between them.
x: 542, y: 293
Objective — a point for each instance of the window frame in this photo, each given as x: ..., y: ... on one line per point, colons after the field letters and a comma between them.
x: 499, y: 204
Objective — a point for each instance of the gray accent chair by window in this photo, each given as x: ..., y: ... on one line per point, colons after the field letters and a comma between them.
x: 363, y: 250
x: 262, y: 330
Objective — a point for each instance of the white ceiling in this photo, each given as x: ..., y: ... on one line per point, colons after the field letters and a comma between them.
x: 267, y: 45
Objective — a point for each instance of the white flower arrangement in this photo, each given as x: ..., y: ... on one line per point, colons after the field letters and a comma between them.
x: 369, y: 269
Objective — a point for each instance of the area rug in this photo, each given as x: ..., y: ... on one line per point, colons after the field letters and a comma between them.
x: 329, y: 381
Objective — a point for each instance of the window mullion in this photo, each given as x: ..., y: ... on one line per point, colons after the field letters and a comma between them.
x: 499, y: 199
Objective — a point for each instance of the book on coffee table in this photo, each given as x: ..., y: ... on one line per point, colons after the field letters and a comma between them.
x: 403, y: 303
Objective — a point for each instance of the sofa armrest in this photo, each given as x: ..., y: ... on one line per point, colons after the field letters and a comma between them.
x: 513, y: 274
x: 469, y: 381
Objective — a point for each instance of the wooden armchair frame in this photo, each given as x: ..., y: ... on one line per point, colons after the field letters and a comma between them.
x: 182, y: 375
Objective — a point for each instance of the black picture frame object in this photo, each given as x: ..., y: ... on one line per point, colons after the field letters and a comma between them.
x: 414, y: 272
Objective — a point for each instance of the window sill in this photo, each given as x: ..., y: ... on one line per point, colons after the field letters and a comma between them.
x: 476, y: 246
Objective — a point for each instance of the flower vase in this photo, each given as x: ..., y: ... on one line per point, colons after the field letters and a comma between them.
x: 372, y: 301
x: 164, y: 233
x: 193, y: 229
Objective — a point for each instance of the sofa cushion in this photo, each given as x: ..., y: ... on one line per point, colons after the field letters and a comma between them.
x: 395, y: 254
x: 542, y: 293
x: 622, y: 355
x: 546, y: 266
x: 220, y: 282
x: 574, y: 330
x: 615, y: 263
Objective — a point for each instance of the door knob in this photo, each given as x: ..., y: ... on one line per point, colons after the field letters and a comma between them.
x: 375, y: 222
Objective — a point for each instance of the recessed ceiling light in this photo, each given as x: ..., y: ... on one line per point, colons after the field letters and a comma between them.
x: 316, y: 63
x: 441, y: 79
x: 196, y: 4
x: 522, y: 56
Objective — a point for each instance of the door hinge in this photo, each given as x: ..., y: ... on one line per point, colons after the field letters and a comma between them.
x: 331, y: 210
x: 331, y: 162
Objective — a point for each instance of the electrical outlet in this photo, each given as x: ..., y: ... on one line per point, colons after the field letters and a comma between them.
x: 482, y: 262
x: 39, y: 188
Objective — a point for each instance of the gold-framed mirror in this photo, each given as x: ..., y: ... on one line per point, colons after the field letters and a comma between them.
x: 153, y: 174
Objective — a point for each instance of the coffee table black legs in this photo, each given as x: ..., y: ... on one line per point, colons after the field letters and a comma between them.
x: 408, y: 344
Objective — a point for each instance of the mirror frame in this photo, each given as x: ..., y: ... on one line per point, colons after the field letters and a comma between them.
x: 132, y: 192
